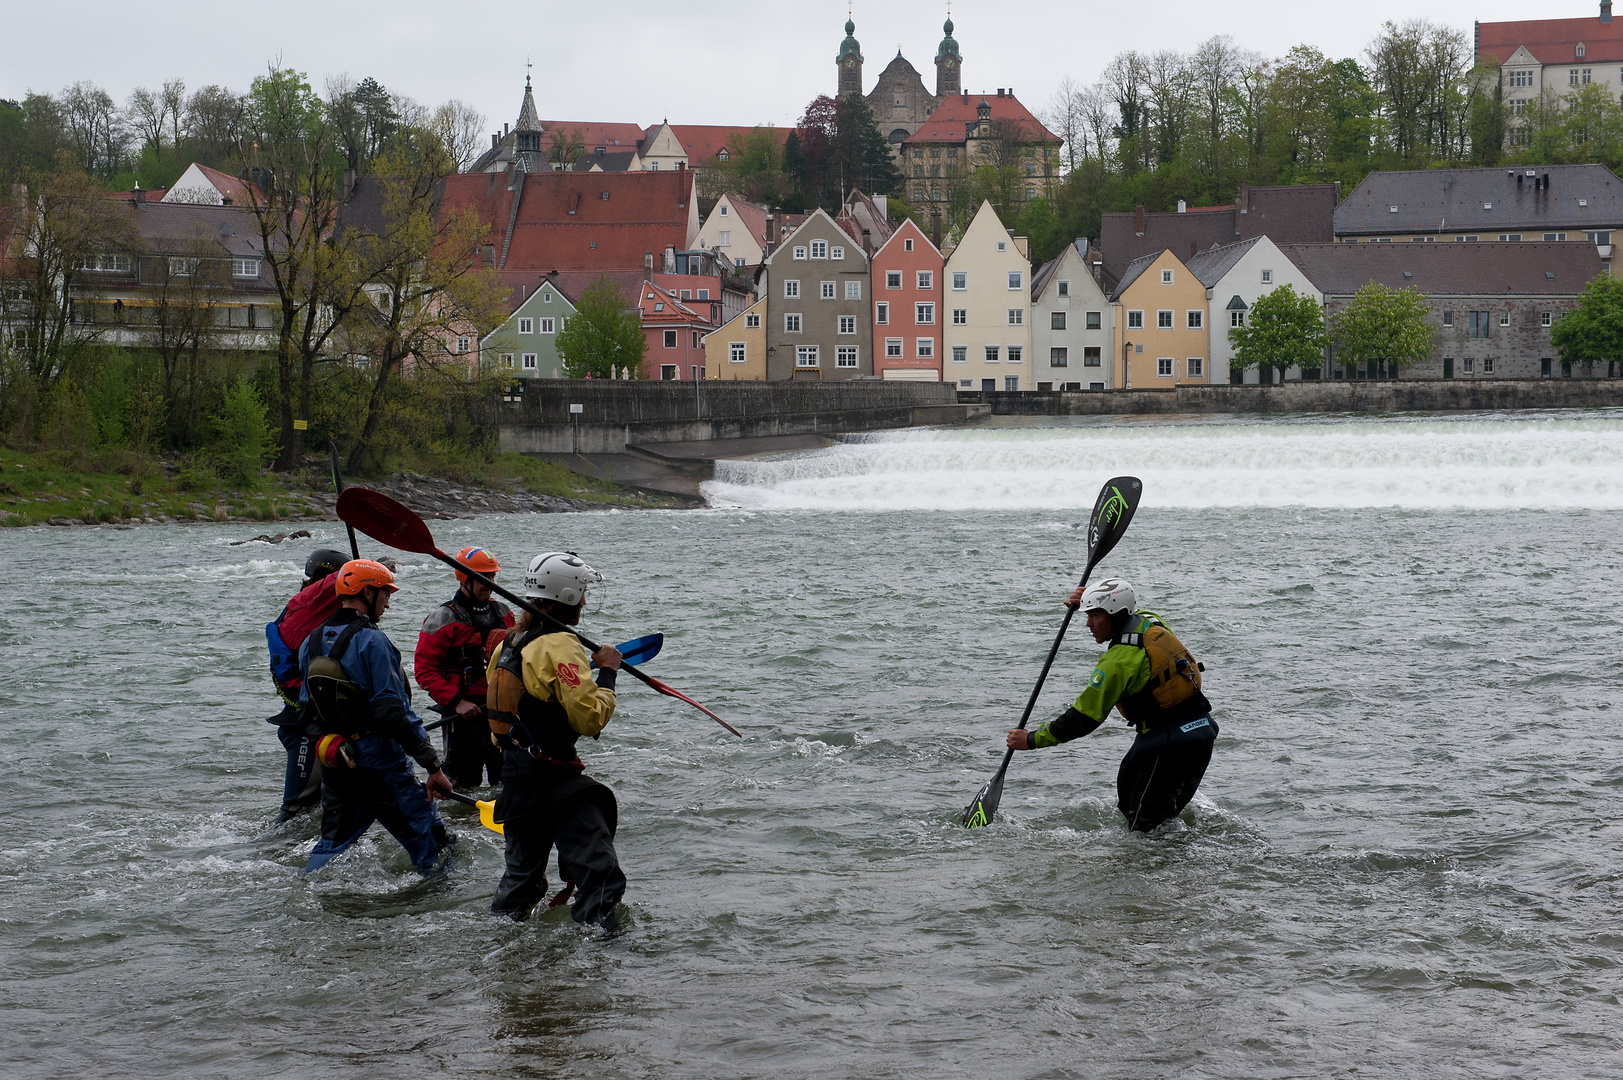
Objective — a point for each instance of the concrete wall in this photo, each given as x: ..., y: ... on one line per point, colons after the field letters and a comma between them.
x: 1440, y: 395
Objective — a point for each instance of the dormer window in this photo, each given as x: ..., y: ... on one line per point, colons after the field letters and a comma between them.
x: 1580, y: 50
x: 722, y: 155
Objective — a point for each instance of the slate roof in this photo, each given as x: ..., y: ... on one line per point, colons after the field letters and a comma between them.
x: 1434, y: 200
x: 947, y: 124
x: 177, y: 228
x: 1453, y: 269
x: 1039, y: 278
x: 1134, y: 270
x: 1210, y: 265
x: 1286, y: 214
x: 605, y: 162
x: 1552, y: 41
x: 561, y: 221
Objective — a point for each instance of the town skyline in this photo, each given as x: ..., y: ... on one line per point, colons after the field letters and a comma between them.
x: 998, y: 47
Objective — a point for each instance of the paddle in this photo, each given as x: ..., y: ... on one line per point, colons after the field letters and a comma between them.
x: 1111, y: 513
x: 338, y: 488
x: 389, y: 522
x: 487, y: 811
x: 636, y: 651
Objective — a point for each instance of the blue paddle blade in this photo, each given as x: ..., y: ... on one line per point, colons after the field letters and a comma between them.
x: 641, y: 650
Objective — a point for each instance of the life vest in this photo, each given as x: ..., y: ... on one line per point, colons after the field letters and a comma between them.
x: 471, y: 657
x: 1173, y: 693
x: 342, y: 708
x: 284, y: 662
x: 519, y: 718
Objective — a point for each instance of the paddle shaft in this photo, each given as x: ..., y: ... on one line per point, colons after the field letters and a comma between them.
x: 338, y: 489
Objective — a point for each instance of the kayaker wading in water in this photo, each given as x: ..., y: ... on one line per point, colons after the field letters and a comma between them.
x: 1152, y: 680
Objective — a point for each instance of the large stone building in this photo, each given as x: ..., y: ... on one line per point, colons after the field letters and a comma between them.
x: 899, y: 101
x: 1552, y: 57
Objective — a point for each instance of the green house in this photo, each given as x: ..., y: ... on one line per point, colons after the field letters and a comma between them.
x: 526, y: 345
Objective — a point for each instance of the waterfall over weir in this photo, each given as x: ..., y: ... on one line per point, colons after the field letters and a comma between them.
x: 1546, y: 460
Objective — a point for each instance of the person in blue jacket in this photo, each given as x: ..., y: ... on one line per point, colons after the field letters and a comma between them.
x: 358, y: 707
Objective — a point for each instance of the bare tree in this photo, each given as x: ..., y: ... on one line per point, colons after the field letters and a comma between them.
x: 94, y: 127
x: 1167, y: 86
x: 461, y: 130
x: 148, y: 113
x: 214, y: 121
x: 173, y: 96
x: 1125, y: 79
x: 1099, y: 120
x: 1063, y: 116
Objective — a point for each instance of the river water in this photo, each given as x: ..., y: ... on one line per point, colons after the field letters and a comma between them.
x: 1404, y: 860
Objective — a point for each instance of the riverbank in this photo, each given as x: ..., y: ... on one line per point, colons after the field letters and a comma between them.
x: 78, y: 487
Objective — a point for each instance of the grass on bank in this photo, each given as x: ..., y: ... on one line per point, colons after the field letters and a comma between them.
x: 113, y: 486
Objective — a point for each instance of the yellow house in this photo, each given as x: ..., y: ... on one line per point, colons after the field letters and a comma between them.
x: 1161, y: 334
x: 738, y: 349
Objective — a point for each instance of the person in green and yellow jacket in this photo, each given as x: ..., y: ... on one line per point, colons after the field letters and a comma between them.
x: 1150, y: 678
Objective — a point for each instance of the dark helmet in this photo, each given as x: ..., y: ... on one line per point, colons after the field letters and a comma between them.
x: 322, y: 562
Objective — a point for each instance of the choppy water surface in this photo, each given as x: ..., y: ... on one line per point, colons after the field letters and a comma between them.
x: 1404, y: 860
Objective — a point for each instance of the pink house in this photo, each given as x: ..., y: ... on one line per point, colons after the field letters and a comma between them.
x: 676, y: 333
x: 907, y: 308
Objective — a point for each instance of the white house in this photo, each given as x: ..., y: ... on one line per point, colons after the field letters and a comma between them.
x: 1072, y: 321
x: 987, y: 299
x: 1235, y: 275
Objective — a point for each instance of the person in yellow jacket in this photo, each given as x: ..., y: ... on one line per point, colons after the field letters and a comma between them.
x: 1154, y: 683
x: 541, y: 698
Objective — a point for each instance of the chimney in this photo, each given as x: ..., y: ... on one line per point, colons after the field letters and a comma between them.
x: 1183, y: 207
x: 771, y: 232
x: 1000, y: 91
x: 1605, y: 11
x: 349, y: 185
x: 487, y: 256
x: 867, y: 243
x: 138, y: 196
x: 1138, y: 219
x: 935, y: 226
x: 495, y: 140
x: 648, y: 267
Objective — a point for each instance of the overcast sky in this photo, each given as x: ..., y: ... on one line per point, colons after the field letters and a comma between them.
x: 639, y: 61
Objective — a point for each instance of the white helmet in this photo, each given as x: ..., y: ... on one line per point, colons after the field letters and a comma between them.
x: 1110, y: 595
x: 559, y: 576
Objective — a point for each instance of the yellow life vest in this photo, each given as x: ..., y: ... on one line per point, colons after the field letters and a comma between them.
x: 1174, y: 685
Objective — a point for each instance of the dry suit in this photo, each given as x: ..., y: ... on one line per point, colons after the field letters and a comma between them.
x: 1161, y: 770
x: 385, y: 736
x: 453, y: 648
x: 310, y: 607
x: 541, y: 700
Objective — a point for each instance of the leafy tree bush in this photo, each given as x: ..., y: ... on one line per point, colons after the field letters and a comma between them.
x: 243, y: 442
x: 1283, y: 329
x: 604, y: 334
x: 1593, y: 330
x: 1385, y: 325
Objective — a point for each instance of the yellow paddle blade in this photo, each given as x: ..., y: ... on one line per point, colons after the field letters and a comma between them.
x: 487, y: 817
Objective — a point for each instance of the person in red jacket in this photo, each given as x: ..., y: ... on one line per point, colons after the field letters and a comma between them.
x: 456, y: 641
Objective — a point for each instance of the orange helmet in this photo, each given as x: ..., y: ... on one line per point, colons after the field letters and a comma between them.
x: 357, y: 574
x: 479, y: 559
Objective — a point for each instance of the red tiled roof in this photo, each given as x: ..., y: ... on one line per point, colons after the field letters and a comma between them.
x: 947, y: 123
x: 563, y: 222
x: 227, y: 185
x: 154, y: 195
x: 612, y: 137
x: 702, y: 141
x: 1552, y: 41
x: 673, y: 310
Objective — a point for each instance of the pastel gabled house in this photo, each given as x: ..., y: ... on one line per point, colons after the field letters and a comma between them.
x: 986, y: 293
x: 907, y: 306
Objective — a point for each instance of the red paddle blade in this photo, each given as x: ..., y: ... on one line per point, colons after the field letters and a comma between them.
x: 385, y: 520
x: 668, y: 692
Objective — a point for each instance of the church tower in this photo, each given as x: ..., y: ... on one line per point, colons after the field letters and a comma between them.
x: 849, y: 62
x: 949, y: 65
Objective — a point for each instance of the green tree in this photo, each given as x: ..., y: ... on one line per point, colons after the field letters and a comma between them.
x: 1384, y: 325
x: 243, y: 440
x: 1283, y: 329
x: 1592, y: 330
x: 603, y: 334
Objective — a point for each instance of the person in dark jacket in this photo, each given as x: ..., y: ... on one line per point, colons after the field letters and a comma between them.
x: 542, y: 698
x: 455, y: 644
x: 359, y: 707
x: 311, y: 606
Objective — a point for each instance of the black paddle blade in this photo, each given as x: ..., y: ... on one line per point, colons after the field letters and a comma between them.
x: 982, y: 808
x: 385, y: 520
x: 1118, y: 499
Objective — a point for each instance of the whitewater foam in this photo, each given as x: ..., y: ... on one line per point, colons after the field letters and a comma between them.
x: 1478, y: 461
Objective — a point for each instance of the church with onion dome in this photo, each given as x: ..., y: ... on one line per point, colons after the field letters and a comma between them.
x: 900, y: 102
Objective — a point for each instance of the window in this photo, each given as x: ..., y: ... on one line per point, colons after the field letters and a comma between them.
x: 1163, y: 320
x: 1016, y: 279
x: 507, y: 360
x: 1487, y: 365
x: 1135, y: 320
x: 791, y: 290
x: 1524, y: 77
x: 926, y: 279
x: 752, y: 321
x: 179, y: 267
x: 837, y: 253
x: 670, y: 339
x: 907, y: 245
x: 960, y: 354
x: 249, y: 268
x: 1448, y: 318
x: 1572, y: 77
x: 1090, y: 356
x: 960, y: 281
x: 546, y: 297
x: 848, y: 324
x: 827, y: 290
x: 703, y: 294
x: 1594, y: 237
x: 819, y: 249
x: 1093, y: 320
x: 800, y: 253
x: 1163, y: 367
x: 992, y: 354
x: 1017, y: 316
x: 1236, y: 318
x: 1267, y: 277
x: 1166, y: 277
x: 526, y: 326
x: 881, y: 314
x: 1056, y: 320
x: 893, y: 279
x: 1544, y: 318
x: 463, y: 344
x: 925, y: 348
x: 1479, y: 323
x: 735, y: 352
x: 1011, y: 383
x: 1517, y: 105
x: 845, y: 356
x: 924, y: 314
x: 1473, y: 239
x: 1017, y: 353
x: 726, y: 236
x: 1197, y: 367
x: 1196, y: 319
x: 529, y: 361
x: 806, y: 356
x: 106, y: 264
x: 695, y: 335
x: 853, y: 290
x: 549, y: 326
x: 1511, y: 237
x: 723, y: 209
x: 667, y: 372
x: 1470, y: 365
x: 1504, y: 318
x: 1003, y: 245
x: 1058, y: 358
x: 893, y: 348
x: 791, y: 324
x: 1065, y: 288
x: 1552, y: 236
x: 1584, y: 78
x: 918, y: 171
